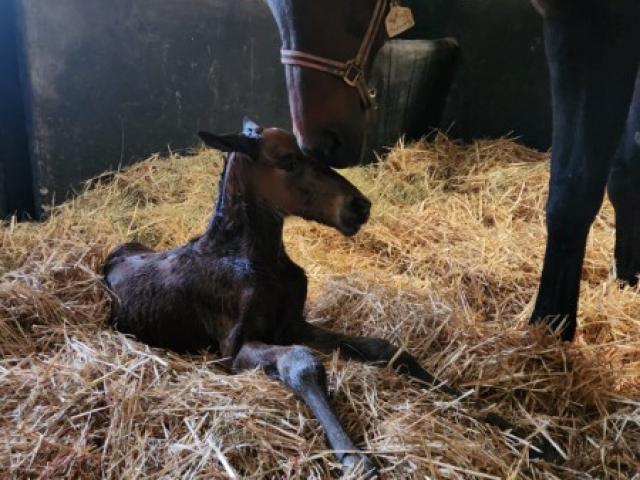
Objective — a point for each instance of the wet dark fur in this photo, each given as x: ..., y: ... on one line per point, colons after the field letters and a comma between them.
x: 204, y: 294
x: 235, y: 290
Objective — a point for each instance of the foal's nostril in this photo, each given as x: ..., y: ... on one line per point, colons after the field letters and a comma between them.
x: 361, y: 206
x: 354, y: 214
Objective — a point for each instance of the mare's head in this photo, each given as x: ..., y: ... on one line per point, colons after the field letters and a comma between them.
x: 270, y: 165
x: 329, y: 117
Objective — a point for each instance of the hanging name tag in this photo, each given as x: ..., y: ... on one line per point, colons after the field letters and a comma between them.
x: 399, y: 20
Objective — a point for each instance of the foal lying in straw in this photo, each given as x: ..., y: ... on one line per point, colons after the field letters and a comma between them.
x: 235, y: 290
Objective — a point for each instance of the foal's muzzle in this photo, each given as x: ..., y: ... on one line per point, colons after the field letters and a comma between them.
x: 354, y: 214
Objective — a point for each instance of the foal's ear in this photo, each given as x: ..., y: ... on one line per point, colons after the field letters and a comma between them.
x: 251, y: 128
x: 232, y: 142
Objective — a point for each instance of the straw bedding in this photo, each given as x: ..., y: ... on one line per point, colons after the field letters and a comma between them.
x: 447, y: 267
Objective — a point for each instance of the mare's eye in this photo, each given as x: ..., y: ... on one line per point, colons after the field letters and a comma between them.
x: 287, y: 163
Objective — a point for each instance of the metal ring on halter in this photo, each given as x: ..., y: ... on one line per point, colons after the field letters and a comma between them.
x: 351, y: 71
x: 352, y: 74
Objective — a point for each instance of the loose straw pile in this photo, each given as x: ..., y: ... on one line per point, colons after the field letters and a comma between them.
x: 447, y: 267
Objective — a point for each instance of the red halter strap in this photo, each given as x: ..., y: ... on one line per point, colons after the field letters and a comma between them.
x: 351, y: 71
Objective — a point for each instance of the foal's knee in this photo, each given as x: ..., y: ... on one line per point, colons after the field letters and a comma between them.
x: 380, y: 350
x: 300, y: 368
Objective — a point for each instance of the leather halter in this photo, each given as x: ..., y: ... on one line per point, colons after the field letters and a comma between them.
x: 351, y: 71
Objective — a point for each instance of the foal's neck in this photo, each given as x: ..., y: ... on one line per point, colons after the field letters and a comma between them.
x: 241, y: 223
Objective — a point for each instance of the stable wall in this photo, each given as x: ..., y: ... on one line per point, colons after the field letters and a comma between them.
x: 502, y: 84
x: 106, y: 83
x: 111, y: 82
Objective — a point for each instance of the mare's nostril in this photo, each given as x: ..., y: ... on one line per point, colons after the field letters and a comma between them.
x: 324, y: 147
x: 330, y: 142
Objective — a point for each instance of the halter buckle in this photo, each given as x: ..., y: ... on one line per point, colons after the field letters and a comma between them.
x: 352, y: 73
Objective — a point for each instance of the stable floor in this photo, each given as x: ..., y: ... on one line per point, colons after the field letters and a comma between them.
x: 447, y: 267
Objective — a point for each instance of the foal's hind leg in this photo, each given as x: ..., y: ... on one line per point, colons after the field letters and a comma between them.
x: 299, y: 369
x: 624, y: 192
x: 592, y: 51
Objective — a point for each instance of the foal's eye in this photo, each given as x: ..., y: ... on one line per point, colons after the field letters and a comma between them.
x: 287, y: 163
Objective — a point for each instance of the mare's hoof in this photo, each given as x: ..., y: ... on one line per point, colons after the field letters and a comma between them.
x: 563, y: 327
x: 357, y: 465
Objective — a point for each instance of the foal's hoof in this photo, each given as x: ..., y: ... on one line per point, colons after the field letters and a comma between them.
x: 545, y: 451
x: 357, y: 465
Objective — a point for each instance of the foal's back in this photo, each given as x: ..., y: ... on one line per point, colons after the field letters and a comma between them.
x: 174, y: 299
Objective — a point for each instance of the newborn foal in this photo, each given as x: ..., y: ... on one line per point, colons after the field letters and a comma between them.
x: 235, y: 289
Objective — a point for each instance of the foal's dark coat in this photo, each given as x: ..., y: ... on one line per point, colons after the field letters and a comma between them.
x: 235, y: 283
x: 235, y: 289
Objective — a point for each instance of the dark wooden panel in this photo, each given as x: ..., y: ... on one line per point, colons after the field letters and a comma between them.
x: 16, y: 181
x: 113, y: 81
x: 412, y: 79
x: 502, y: 84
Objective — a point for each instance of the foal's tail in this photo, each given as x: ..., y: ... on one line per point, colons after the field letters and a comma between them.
x: 114, y: 258
x: 118, y: 254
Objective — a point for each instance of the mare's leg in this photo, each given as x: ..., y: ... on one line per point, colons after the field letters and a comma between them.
x: 299, y: 369
x: 624, y: 192
x: 592, y: 49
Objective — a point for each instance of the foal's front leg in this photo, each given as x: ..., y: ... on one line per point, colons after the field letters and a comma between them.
x: 382, y: 353
x: 299, y: 369
x: 371, y: 350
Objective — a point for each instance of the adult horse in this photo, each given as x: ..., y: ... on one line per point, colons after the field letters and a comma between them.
x: 593, y: 53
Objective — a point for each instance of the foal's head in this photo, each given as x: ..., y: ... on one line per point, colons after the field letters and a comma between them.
x: 271, y: 167
x: 328, y: 118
